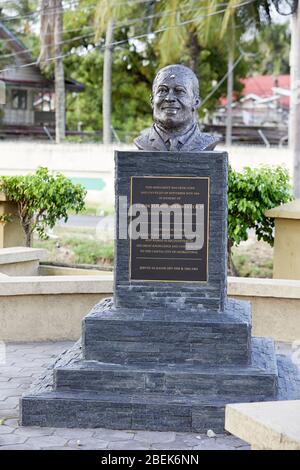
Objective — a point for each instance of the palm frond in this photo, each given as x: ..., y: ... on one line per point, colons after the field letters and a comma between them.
x: 112, y: 10
x: 173, y: 38
x: 207, y: 22
x: 229, y: 15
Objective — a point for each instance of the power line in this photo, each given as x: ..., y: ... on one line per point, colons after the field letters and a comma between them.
x: 37, y: 63
x: 121, y: 25
x: 52, y: 10
x: 166, y: 13
x: 66, y: 41
x: 117, y: 43
x: 90, y: 7
x: 5, y: 41
x: 177, y: 25
x: 49, y: 11
x: 217, y: 86
x: 134, y: 20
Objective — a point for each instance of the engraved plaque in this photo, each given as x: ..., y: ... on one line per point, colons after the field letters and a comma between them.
x: 169, y: 228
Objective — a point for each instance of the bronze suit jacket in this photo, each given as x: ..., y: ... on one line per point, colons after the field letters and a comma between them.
x: 149, y: 140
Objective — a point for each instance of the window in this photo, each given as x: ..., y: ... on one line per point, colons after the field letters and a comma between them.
x: 43, y: 101
x: 19, y: 99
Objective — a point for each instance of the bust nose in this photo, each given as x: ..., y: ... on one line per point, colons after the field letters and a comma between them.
x: 170, y: 95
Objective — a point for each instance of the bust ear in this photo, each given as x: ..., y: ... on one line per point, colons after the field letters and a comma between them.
x: 197, y: 103
x: 151, y: 100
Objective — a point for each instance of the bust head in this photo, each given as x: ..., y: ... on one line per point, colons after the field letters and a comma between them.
x: 175, y: 98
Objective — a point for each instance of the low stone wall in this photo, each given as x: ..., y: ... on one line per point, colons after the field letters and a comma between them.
x: 50, y: 308
x: 275, y: 305
x: 20, y: 261
x: 51, y: 270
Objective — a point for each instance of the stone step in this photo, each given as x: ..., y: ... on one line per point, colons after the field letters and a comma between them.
x: 43, y: 406
x: 256, y: 380
x: 123, y: 411
x: 127, y: 336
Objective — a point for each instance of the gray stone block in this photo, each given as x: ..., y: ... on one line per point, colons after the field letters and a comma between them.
x: 129, y: 336
x: 258, y: 379
x: 139, y: 294
x: 149, y: 410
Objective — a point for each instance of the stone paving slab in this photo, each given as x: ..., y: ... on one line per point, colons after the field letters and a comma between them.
x: 24, y: 364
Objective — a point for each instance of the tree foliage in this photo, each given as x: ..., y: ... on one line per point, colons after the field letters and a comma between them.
x: 166, y: 38
x: 270, y: 50
x: 42, y: 199
x: 22, y: 10
x: 250, y: 193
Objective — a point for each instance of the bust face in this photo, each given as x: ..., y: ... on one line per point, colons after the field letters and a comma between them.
x: 174, y: 101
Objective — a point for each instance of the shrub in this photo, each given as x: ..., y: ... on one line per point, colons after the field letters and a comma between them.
x: 250, y: 193
x: 43, y: 198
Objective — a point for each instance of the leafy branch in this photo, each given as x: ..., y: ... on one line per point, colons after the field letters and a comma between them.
x: 42, y: 199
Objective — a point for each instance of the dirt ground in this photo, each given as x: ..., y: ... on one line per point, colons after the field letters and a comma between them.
x: 253, y: 258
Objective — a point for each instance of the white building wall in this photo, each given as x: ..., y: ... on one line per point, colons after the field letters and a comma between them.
x: 97, y: 160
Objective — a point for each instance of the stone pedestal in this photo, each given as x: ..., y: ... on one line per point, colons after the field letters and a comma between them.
x: 170, y: 350
x: 287, y: 240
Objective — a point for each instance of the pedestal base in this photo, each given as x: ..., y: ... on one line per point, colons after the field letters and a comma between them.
x: 159, y: 370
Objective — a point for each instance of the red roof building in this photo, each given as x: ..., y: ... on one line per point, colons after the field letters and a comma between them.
x: 264, y: 100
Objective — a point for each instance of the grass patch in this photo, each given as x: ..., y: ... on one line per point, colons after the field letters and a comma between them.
x: 253, y: 259
x: 91, y: 251
x: 95, y: 209
x: 77, y: 245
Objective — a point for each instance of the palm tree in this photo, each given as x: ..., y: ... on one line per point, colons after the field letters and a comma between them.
x: 51, y: 39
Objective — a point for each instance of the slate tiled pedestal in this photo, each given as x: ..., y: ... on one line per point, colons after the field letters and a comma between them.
x: 163, y: 356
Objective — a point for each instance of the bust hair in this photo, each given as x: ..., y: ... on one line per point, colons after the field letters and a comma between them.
x: 177, y: 69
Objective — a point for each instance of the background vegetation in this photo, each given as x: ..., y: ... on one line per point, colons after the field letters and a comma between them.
x: 135, y: 61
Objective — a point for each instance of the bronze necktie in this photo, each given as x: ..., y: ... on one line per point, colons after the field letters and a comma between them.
x: 173, y: 145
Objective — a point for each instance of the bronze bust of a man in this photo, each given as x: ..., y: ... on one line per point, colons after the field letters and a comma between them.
x: 175, y: 99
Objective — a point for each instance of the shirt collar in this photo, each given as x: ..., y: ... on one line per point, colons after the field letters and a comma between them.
x: 181, y: 138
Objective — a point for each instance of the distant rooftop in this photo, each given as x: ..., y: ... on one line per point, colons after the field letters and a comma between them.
x: 262, y: 86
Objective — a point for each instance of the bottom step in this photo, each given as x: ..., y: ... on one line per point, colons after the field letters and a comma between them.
x: 44, y: 407
x: 86, y: 410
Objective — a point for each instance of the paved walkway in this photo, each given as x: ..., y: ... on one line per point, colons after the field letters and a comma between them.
x: 24, y: 362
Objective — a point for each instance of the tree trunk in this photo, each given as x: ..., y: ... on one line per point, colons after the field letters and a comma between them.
x: 60, y: 112
x: 106, y: 96
x: 232, y: 271
x: 229, y: 96
x: 194, y: 49
x: 294, y: 131
x: 28, y: 237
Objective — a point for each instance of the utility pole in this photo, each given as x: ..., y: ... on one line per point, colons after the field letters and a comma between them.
x: 60, y: 113
x: 231, y: 44
x: 229, y: 98
x: 294, y: 124
x: 107, y: 86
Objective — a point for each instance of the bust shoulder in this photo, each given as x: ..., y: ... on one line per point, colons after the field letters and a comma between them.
x: 142, y: 141
x: 203, y: 141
